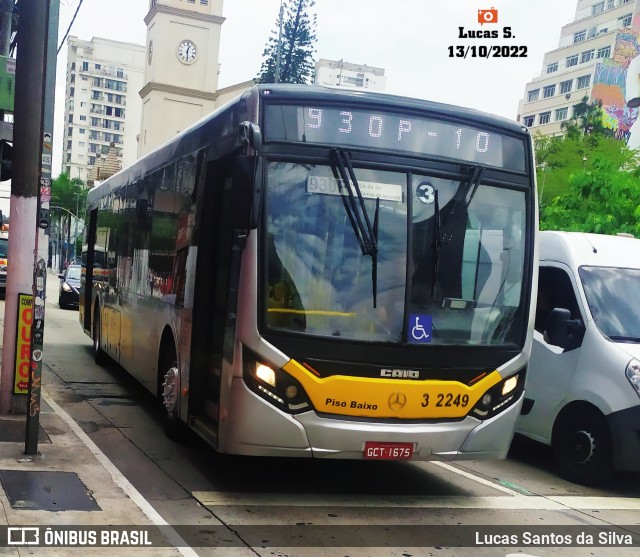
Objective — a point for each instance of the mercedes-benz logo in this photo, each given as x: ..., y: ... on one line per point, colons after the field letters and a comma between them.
x: 397, y: 401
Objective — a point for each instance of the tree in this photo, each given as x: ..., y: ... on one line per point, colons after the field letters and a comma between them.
x: 588, y: 182
x: 68, y: 193
x: 558, y: 158
x: 587, y: 119
x: 296, y: 48
x: 603, y: 199
x: 71, y: 195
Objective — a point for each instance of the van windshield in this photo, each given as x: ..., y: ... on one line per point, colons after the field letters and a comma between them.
x: 613, y: 296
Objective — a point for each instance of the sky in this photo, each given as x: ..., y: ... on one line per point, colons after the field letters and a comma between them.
x: 409, y: 39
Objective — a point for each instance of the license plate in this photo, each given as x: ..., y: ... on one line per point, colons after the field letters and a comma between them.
x: 375, y: 450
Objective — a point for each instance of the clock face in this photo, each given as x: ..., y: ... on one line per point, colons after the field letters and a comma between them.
x: 150, y: 54
x: 187, y: 52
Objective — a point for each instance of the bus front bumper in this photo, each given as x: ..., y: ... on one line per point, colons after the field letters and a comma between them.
x: 467, y: 439
x: 260, y: 429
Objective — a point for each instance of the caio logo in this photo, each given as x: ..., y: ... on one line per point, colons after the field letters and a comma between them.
x: 488, y: 16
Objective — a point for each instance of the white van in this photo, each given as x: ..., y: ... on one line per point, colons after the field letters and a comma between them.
x: 582, y: 394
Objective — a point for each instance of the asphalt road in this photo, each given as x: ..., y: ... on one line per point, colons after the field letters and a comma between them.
x: 299, y: 508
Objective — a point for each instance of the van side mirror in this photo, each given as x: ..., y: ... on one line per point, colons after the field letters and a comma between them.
x: 247, y: 178
x: 563, y: 331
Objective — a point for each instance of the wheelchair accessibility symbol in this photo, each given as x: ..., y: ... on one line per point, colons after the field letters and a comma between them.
x: 420, y: 328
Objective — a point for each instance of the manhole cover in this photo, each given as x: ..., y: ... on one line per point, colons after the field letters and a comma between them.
x: 46, y: 491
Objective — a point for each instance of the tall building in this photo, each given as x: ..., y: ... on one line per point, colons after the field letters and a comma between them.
x: 592, y: 59
x: 338, y: 73
x: 181, y: 68
x: 102, y: 104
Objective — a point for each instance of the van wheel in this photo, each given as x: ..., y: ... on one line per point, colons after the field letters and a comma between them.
x: 582, y: 446
x: 99, y: 355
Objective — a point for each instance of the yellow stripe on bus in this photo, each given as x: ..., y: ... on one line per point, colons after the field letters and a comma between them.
x: 313, y: 312
x: 390, y: 398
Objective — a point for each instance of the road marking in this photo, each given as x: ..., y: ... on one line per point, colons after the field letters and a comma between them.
x: 597, y: 503
x: 120, y: 480
x: 518, y: 502
x: 475, y: 478
x: 214, y: 499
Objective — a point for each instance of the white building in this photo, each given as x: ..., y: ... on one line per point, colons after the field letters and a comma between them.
x: 102, y: 102
x: 591, y: 60
x: 338, y: 73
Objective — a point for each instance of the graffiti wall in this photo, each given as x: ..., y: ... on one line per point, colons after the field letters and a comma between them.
x: 617, y: 84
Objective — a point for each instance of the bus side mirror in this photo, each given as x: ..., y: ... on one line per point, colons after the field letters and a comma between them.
x: 247, y: 177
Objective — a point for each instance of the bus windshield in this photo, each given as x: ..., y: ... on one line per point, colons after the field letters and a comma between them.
x: 449, y: 266
x: 4, y: 247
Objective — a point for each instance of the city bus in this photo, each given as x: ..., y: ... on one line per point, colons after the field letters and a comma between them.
x: 312, y: 272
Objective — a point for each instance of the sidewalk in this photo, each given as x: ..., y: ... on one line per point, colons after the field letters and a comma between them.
x: 71, y: 486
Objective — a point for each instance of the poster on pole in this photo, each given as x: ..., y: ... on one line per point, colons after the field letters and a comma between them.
x: 23, y: 344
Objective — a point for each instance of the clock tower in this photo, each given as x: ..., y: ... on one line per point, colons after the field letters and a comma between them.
x: 181, y: 76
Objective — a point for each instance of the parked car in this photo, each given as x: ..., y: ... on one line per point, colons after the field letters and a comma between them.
x: 582, y: 395
x: 69, y: 295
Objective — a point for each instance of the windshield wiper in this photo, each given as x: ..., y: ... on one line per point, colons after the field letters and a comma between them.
x: 624, y: 338
x: 468, y: 190
x: 450, y: 223
x: 365, y: 232
x: 436, y: 241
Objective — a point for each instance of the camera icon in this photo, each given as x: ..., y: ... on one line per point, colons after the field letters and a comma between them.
x: 488, y: 16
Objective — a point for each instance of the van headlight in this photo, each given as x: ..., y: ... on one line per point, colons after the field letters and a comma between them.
x: 633, y: 374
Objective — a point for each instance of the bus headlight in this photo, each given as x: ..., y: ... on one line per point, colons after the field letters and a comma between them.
x: 274, y: 385
x: 509, y: 384
x: 266, y: 374
x: 633, y: 374
x: 500, y: 396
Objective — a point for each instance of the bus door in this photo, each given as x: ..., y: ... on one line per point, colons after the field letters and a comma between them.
x: 212, y: 295
x: 86, y: 281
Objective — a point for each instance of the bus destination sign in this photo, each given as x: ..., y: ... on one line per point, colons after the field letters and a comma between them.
x: 395, y: 132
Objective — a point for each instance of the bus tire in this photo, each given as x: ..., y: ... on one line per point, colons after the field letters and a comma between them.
x: 99, y: 355
x: 582, y: 446
x: 169, y: 393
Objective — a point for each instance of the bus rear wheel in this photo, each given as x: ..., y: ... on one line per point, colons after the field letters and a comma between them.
x: 99, y: 355
x: 582, y: 446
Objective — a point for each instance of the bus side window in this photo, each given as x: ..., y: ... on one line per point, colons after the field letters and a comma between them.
x: 179, y: 276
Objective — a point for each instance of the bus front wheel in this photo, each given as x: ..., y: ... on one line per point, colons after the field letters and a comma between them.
x: 169, y: 395
x: 582, y: 446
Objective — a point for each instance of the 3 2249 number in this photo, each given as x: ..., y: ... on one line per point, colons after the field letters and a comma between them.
x: 445, y: 400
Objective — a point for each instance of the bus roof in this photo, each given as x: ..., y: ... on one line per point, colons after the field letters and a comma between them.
x: 224, y: 121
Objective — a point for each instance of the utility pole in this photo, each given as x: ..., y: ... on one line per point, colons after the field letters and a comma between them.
x: 29, y: 167
x: 6, y: 17
x: 277, y: 76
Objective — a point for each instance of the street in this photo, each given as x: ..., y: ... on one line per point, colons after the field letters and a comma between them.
x: 309, y: 506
